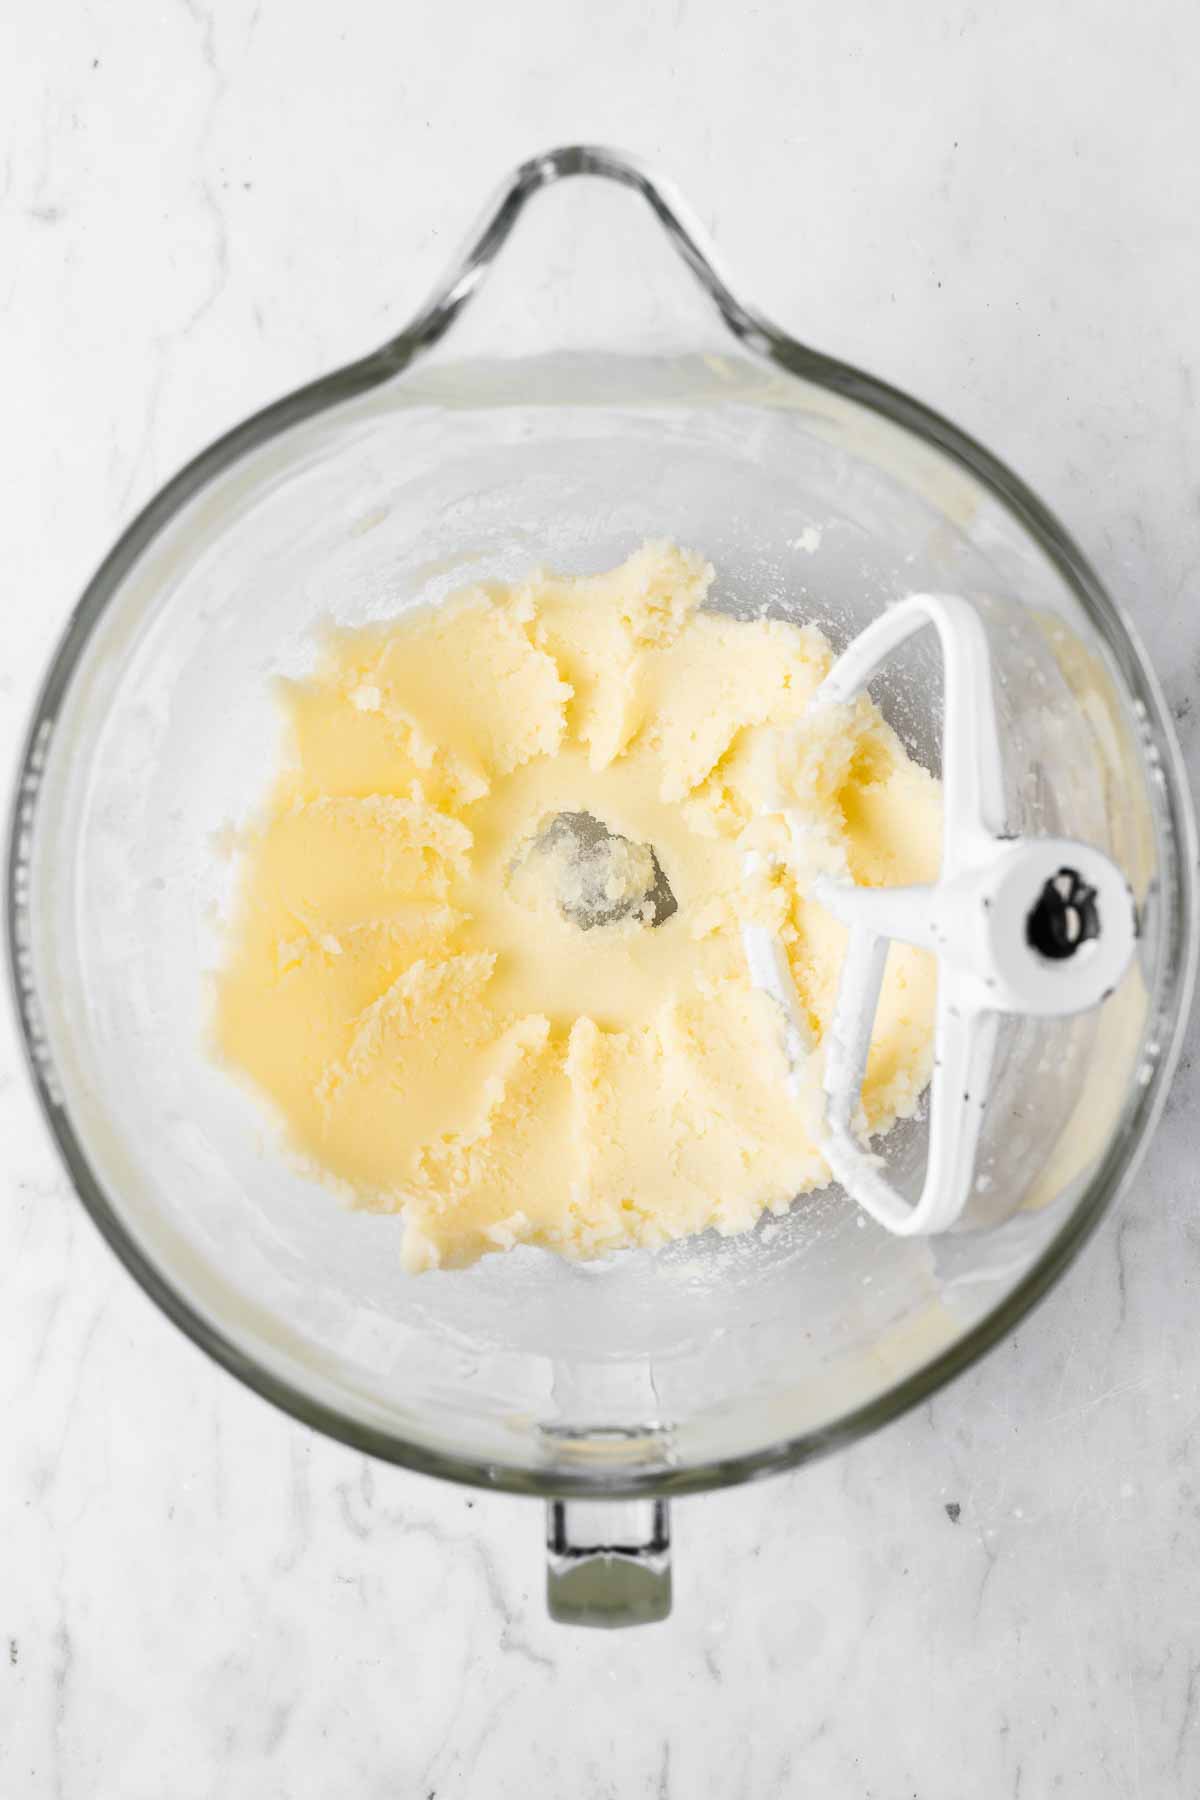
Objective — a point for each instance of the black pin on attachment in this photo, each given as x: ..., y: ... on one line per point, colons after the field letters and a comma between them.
x: 1064, y: 917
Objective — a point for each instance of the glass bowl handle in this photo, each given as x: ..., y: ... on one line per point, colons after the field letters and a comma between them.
x: 608, y: 1562
x: 549, y: 286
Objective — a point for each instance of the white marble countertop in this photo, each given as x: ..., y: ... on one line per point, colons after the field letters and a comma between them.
x: 203, y: 203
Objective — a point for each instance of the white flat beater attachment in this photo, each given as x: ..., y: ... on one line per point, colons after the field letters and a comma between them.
x: 1033, y: 925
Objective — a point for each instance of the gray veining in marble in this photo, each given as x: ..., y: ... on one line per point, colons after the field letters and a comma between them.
x: 202, y: 204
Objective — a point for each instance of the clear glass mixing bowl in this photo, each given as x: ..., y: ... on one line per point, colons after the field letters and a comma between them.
x: 604, y: 387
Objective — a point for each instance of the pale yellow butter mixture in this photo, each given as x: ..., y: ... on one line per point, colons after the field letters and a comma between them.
x: 487, y: 959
